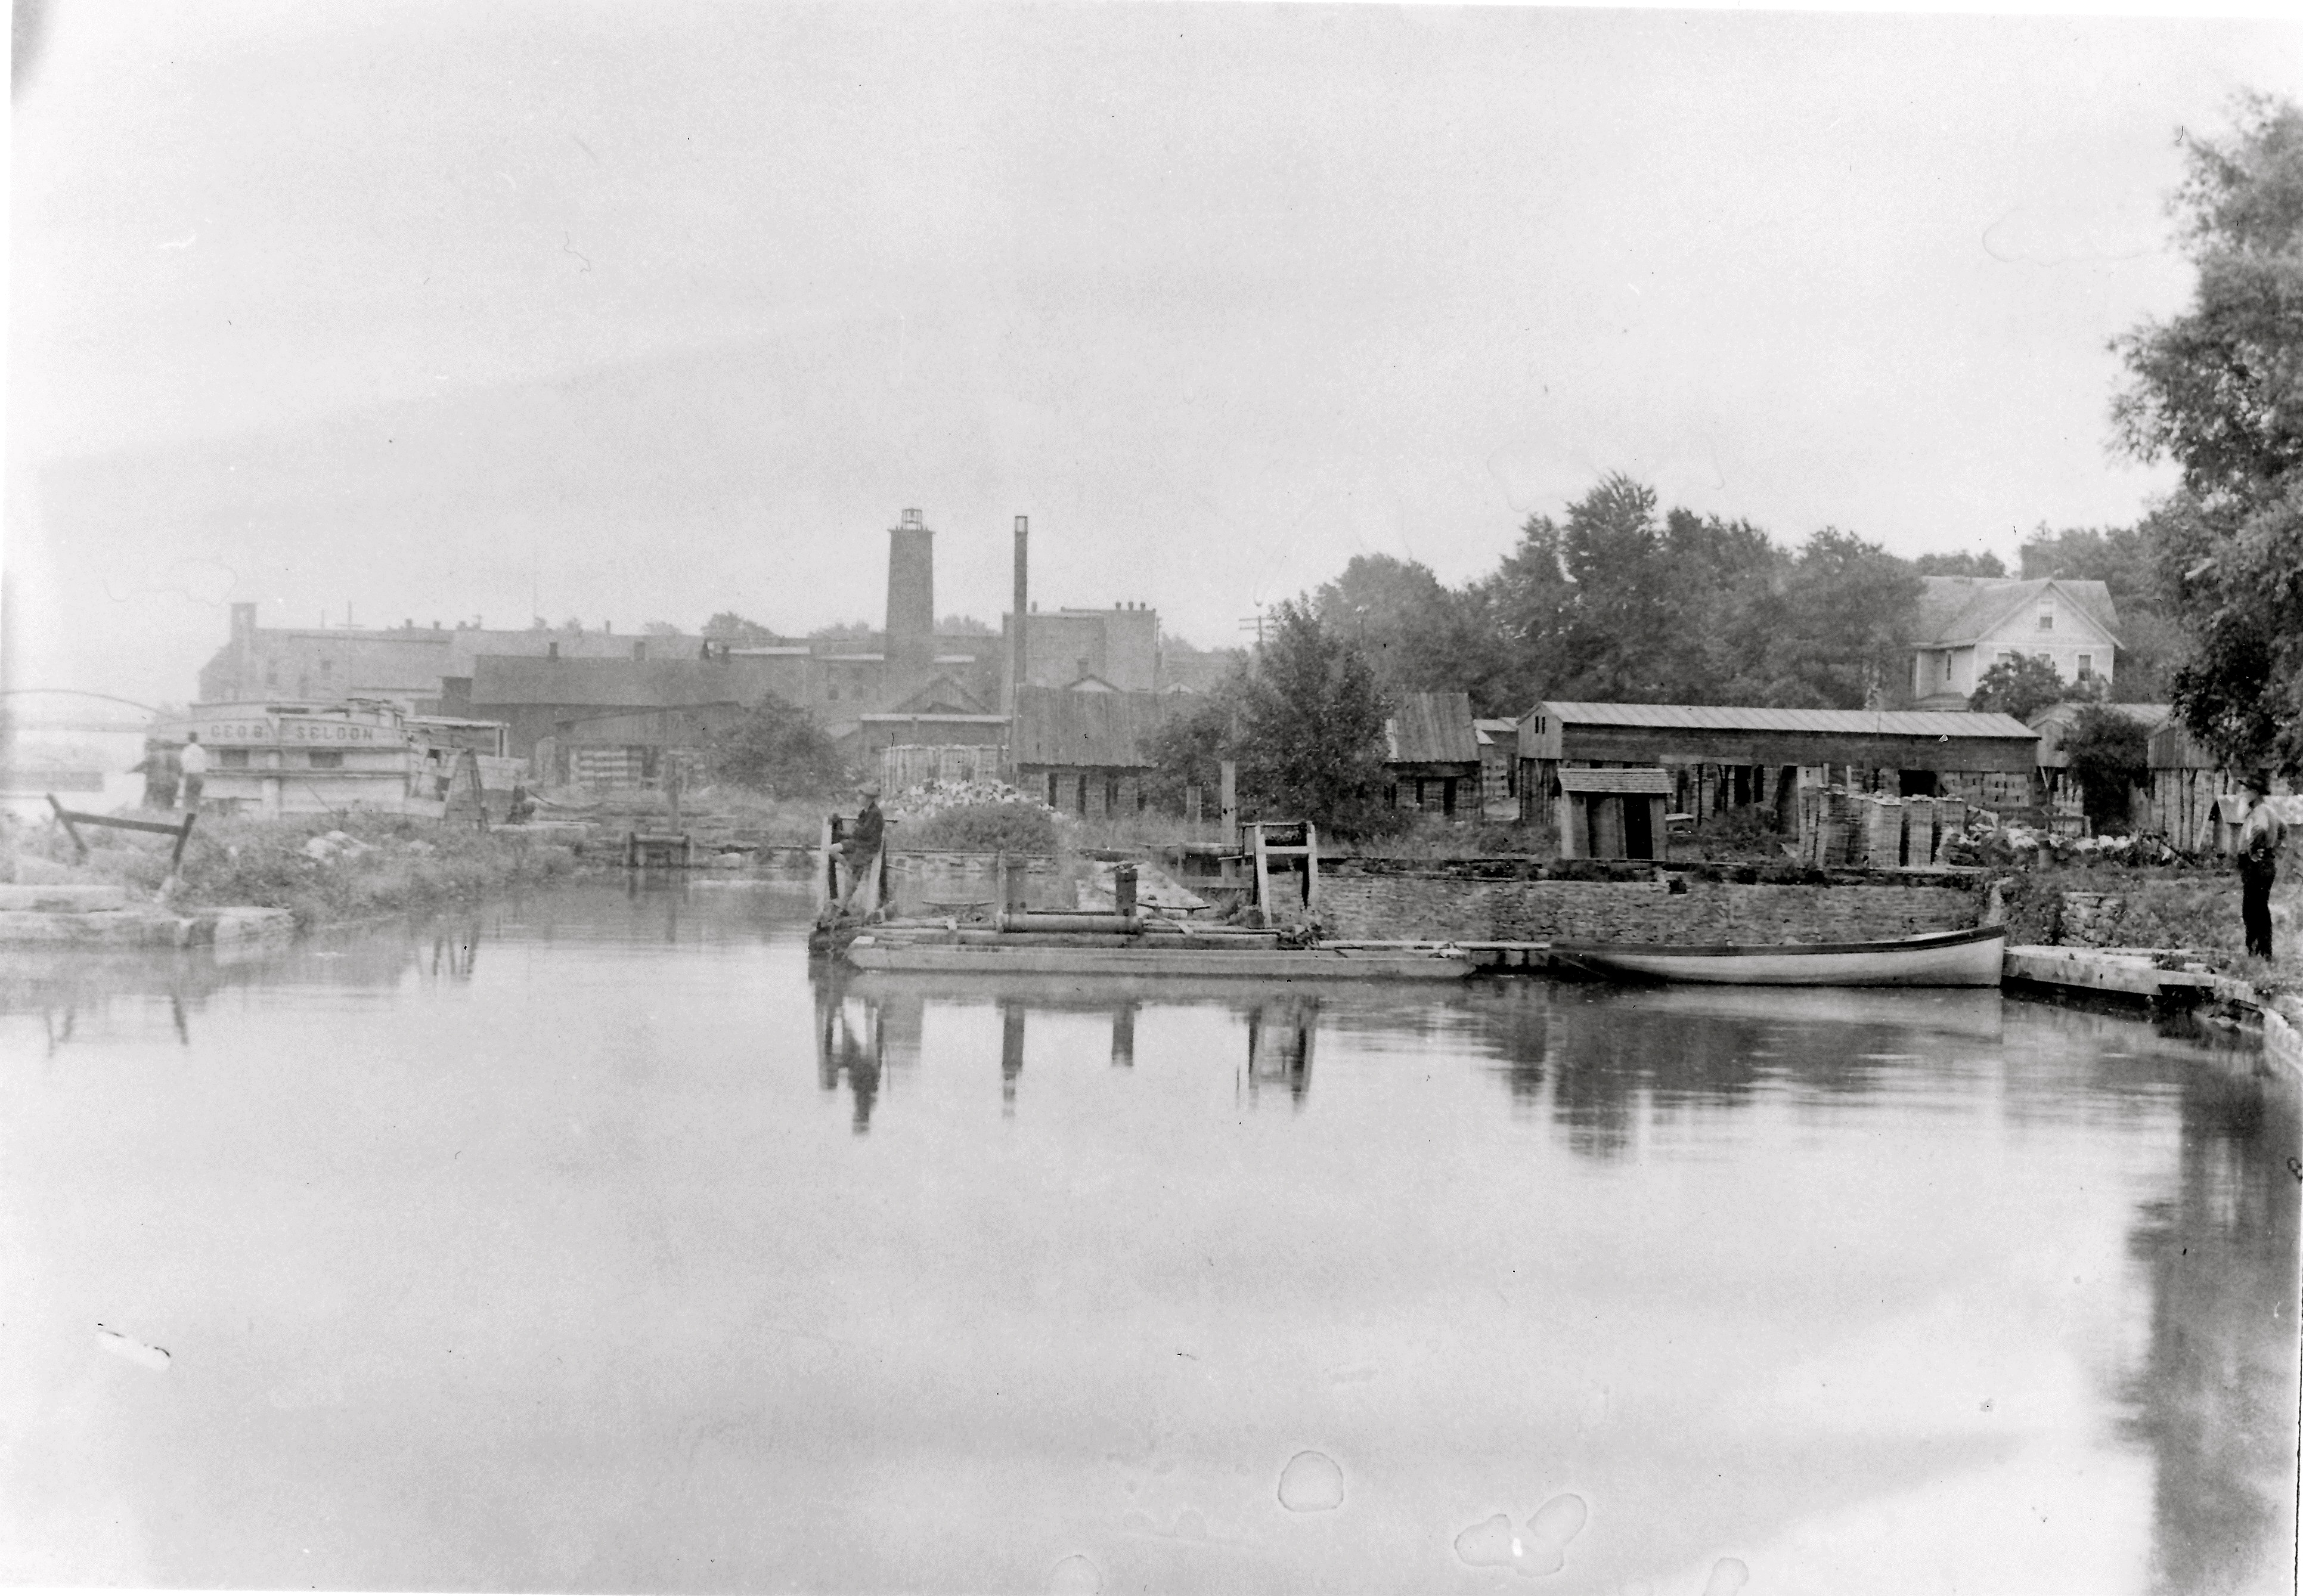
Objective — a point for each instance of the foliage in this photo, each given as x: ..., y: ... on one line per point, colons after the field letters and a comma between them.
x: 366, y: 865
x: 977, y: 817
x: 2216, y: 389
x: 729, y: 627
x: 1839, y: 633
x: 847, y: 629
x: 1190, y: 745
x: 2022, y: 686
x: 778, y: 748
x: 2125, y: 561
x: 2108, y: 754
x: 1416, y: 635
x: 1966, y: 563
x: 1310, y: 742
x: 968, y: 625
x: 659, y: 628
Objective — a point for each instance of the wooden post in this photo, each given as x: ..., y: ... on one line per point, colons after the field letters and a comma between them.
x: 1228, y: 795
x: 177, y: 858
x: 1192, y: 801
x: 1262, y: 888
x: 65, y: 820
x: 631, y: 851
x: 1310, y: 868
x: 827, y: 886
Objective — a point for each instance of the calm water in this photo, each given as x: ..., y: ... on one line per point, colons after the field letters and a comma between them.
x: 588, y: 1243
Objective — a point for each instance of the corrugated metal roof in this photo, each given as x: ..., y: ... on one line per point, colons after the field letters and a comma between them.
x: 1638, y: 779
x: 1091, y: 730
x: 1431, y: 729
x: 1954, y: 723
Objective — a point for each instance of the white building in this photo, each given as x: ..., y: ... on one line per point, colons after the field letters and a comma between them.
x: 1968, y: 624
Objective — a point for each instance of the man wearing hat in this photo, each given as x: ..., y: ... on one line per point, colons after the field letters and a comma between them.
x: 862, y: 845
x: 2260, y: 833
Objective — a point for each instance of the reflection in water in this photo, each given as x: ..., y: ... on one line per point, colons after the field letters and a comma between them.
x: 850, y: 1042
x: 2215, y: 1395
x: 1280, y: 1046
x: 1838, y: 1283
x: 455, y: 954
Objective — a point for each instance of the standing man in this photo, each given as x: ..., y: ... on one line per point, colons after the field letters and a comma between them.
x: 2260, y: 833
x: 862, y: 844
x: 194, y: 763
x: 158, y: 769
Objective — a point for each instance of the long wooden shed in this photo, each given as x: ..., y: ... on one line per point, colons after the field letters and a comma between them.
x: 1721, y: 757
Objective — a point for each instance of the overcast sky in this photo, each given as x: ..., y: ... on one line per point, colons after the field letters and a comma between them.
x: 649, y: 311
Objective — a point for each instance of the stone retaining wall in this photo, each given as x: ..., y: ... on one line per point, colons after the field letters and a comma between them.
x: 1391, y: 907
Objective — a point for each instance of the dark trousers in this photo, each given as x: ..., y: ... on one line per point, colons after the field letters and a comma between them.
x: 2255, y: 905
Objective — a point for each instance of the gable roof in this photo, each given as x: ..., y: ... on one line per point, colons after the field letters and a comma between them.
x: 1957, y: 611
x: 1059, y: 727
x: 1954, y: 725
x: 940, y: 693
x: 1431, y: 729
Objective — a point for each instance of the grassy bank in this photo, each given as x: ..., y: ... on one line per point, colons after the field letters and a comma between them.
x: 2166, y: 907
x: 319, y: 869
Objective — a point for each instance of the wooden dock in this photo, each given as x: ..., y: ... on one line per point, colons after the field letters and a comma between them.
x: 2141, y: 974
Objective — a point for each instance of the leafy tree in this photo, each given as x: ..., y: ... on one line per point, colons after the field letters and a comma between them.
x: 1191, y: 745
x: 1311, y: 730
x: 2022, y: 686
x: 2108, y: 752
x: 2126, y: 560
x: 2220, y: 390
x: 732, y: 628
x: 1622, y: 603
x: 847, y: 629
x: 1839, y: 632
x: 778, y: 748
x: 659, y: 628
x: 1416, y: 635
x: 968, y: 625
x: 1965, y: 563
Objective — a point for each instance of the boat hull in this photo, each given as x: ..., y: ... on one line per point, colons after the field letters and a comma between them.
x: 1312, y: 964
x: 1941, y: 959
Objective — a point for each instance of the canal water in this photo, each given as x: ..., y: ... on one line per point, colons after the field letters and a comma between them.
x: 592, y: 1241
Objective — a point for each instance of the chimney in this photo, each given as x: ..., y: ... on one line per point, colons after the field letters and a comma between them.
x: 910, y: 645
x: 1016, y: 655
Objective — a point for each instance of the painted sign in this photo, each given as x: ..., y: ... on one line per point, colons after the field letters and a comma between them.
x: 289, y: 730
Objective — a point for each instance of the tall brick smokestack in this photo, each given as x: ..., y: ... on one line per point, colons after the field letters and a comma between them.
x: 1016, y: 635
x: 911, y: 606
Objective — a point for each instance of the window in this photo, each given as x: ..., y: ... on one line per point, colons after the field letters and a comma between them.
x: 2087, y: 667
x: 327, y: 759
x: 232, y: 759
x: 2046, y: 620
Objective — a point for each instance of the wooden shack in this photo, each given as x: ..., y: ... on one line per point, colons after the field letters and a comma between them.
x: 1431, y: 753
x: 1612, y: 814
x: 1084, y: 753
x: 1720, y: 757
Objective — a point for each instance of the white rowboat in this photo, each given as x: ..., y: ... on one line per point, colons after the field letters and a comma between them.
x: 1973, y: 958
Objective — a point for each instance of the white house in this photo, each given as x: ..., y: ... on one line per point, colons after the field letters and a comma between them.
x: 1968, y: 624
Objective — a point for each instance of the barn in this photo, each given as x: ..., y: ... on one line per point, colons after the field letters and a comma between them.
x: 1720, y: 757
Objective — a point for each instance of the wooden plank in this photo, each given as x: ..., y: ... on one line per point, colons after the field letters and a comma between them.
x: 65, y: 817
